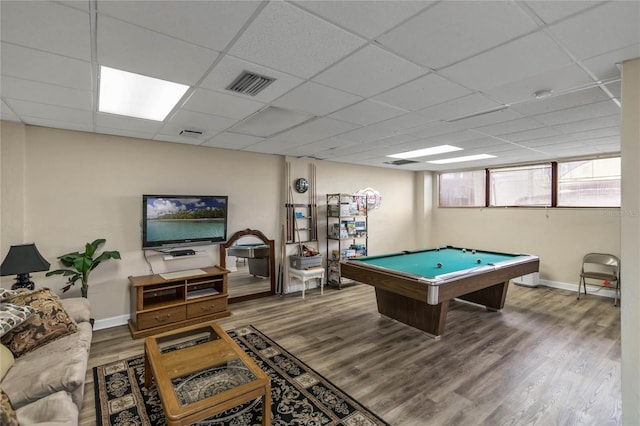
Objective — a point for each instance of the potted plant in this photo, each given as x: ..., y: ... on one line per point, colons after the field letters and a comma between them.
x: 80, y: 265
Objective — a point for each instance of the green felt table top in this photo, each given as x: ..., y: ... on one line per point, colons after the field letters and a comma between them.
x: 425, y: 262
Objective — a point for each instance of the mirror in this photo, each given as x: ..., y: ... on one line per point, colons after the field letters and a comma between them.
x: 249, y: 255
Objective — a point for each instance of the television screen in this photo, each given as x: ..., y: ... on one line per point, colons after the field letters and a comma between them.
x: 179, y: 220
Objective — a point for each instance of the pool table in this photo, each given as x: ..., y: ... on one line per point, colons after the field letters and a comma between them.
x: 415, y: 287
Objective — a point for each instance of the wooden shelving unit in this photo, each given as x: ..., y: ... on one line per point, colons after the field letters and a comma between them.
x: 160, y: 304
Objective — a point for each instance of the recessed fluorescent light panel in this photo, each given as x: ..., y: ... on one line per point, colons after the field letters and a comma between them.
x: 135, y: 95
x: 441, y: 149
x: 461, y: 159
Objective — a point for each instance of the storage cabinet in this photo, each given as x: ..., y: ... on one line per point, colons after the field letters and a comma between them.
x: 163, y: 302
x: 347, y: 232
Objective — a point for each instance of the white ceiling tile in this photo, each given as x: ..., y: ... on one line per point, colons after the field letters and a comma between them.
x: 221, y: 104
x: 30, y: 64
x: 367, y: 112
x: 316, y: 99
x: 384, y: 129
x: 211, y: 24
x: 591, y: 124
x: 192, y: 120
x: 517, y: 60
x: 370, y: 71
x: 526, y: 135
x: 612, y: 26
x: 121, y: 45
x: 51, y: 112
x: 453, y: 30
x: 269, y: 146
x: 46, y: 26
x: 604, y: 66
x: 58, y: 124
x: 7, y: 113
x: 129, y: 133
x: 552, y: 10
x: 605, y: 132
x: 424, y: 92
x: 461, y: 107
x: 489, y: 118
x: 112, y: 121
x: 435, y: 129
x: 584, y: 112
x: 16, y: 88
x: 315, y: 130
x: 229, y: 68
x: 286, y: 38
x: 556, y: 80
x: 509, y: 127
x: 270, y: 121
x: 232, y: 141
x: 365, y: 17
x: 179, y: 139
x: 560, y: 102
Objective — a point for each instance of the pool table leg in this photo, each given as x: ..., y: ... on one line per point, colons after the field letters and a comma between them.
x: 492, y: 297
x: 428, y: 318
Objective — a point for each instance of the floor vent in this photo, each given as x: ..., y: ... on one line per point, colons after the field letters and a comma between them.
x: 400, y: 162
x: 250, y: 84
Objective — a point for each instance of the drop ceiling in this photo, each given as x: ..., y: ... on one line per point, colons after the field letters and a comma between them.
x: 355, y: 81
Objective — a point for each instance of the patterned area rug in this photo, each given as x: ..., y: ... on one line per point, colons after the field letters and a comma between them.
x: 300, y: 396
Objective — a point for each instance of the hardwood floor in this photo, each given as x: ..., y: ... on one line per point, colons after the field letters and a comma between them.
x: 545, y: 359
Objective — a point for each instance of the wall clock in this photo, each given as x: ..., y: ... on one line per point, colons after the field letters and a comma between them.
x: 302, y: 185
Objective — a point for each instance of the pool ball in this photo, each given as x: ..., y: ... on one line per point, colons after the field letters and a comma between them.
x: 479, y: 260
x: 473, y: 252
x: 464, y: 250
x: 439, y: 265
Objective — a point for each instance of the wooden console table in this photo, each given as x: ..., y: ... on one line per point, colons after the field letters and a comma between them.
x: 164, y: 302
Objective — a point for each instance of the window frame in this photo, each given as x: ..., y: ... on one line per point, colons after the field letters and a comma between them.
x: 554, y: 185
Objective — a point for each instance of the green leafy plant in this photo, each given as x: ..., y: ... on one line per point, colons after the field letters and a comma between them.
x: 80, y: 265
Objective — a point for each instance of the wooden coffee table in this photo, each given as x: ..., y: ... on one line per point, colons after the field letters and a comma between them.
x: 200, y: 380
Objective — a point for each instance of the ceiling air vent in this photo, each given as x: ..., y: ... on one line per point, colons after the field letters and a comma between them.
x: 400, y: 162
x: 250, y: 84
x: 190, y: 133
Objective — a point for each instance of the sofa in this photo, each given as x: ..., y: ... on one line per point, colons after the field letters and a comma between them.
x: 45, y: 385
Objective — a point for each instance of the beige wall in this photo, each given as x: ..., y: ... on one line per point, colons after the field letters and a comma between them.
x: 630, y: 212
x: 80, y: 186
x: 560, y: 237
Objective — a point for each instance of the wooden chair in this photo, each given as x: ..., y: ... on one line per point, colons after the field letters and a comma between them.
x: 602, y: 267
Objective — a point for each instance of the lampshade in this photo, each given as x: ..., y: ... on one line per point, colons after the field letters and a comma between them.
x: 23, y: 259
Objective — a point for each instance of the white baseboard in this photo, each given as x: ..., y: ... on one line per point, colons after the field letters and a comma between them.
x: 591, y: 289
x: 111, y: 322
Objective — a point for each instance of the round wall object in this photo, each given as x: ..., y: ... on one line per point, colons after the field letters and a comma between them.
x: 302, y: 185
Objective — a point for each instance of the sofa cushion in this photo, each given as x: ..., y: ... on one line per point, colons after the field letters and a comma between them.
x: 60, y: 365
x: 49, y: 323
x: 6, y: 360
x: 55, y: 409
x: 12, y: 316
x: 7, y: 415
x: 77, y: 308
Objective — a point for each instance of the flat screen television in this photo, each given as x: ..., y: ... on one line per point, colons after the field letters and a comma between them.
x: 183, y: 220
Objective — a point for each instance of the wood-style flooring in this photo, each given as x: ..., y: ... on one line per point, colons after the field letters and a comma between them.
x: 545, y: 359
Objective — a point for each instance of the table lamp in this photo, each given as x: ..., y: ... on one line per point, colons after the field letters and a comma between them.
x: 21, y: 260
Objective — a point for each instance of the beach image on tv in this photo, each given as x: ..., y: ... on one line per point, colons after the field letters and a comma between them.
x: 171, y: 219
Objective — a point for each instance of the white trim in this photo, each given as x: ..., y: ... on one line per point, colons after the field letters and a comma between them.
x: 111, y: 322
x: 592, y: 290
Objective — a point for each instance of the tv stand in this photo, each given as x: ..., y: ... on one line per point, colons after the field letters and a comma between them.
x: 159, y: 304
